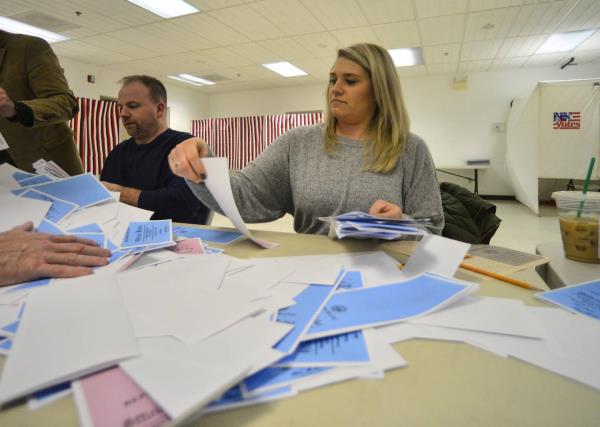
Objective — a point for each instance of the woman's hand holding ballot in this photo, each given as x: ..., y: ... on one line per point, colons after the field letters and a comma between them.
x: 185, y: 162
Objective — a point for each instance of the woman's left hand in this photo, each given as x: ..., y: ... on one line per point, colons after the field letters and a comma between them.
x: 385, y: 209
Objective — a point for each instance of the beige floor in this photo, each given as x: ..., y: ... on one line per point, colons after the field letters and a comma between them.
x: 520, y: 229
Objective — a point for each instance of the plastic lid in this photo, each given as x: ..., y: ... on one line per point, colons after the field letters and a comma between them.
x: 575, y: 196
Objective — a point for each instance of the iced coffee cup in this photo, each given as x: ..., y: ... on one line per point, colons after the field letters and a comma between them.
x: 579, y: 225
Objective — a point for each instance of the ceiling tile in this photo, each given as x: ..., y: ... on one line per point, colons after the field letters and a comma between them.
x: 336, y: 14
x: 175, y: 36
x: 83, y: 52
x: 473, y: 51
x: 585, y: 15
x: 477, y: 5
x: 521, y: 46
x: 320, y: 44
x: 383, y: 11
x: 256, y: 53
x: 317, y: 67
x: 429, y: 8
x: 448, y: 68
x: 505, y: 63
x: 148, y: 40
x: 398, y: 34
x: 474, y: 66
x: 224, y: 56
x: 441, y: 53
x: 248, y: 22
x: 110, y: 43
x: 287, y: 49
x: 206, y: 5
x: 442, y: 30
x: 289, y: 16
x: 352, y: 36
x: 478, y: 23
x: 210, y: 29
x: 539, y: 18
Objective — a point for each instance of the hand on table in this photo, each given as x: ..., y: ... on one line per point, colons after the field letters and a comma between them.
x: 27, y: 255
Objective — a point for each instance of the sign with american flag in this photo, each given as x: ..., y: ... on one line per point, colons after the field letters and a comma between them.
x: 567, y: 120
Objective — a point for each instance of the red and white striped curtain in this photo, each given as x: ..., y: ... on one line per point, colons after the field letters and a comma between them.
x: 242, y: 139
x: 96, y: 131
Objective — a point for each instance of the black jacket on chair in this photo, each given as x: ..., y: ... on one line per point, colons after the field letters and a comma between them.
x: 467, y: 216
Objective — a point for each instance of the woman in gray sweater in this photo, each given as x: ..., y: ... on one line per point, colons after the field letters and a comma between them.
x: 363, y: 158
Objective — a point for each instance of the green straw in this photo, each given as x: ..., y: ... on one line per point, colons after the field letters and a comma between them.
x: 586, y: 184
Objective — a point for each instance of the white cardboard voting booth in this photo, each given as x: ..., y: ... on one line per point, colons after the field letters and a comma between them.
x: 553, y: 134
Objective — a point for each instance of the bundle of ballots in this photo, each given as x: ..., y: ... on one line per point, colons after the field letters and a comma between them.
x: 360, y: 225
x: 49, y: 168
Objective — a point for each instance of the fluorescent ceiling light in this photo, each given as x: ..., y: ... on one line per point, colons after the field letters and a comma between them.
x: 166, y: 8
x: 285, y: 69
x: 564, y: 42
x: 13, y: 26
x: 190, y: 79
x: 406, y: 57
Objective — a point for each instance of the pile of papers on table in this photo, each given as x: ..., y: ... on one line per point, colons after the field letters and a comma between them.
x: 177, y: 329
x: 360, y: 225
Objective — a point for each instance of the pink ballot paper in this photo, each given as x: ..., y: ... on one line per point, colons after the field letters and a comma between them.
x: 219, y: 186
x: 110, y: 398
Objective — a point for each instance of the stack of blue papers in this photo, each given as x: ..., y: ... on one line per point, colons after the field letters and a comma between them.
x: 360, y: 225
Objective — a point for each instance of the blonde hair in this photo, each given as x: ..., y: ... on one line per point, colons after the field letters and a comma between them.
x: 389, y: 125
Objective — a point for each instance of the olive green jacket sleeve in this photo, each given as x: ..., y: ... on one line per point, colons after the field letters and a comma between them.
x: 53, y: 102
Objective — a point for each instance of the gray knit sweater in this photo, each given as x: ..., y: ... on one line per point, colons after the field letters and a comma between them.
x: 295, y: 175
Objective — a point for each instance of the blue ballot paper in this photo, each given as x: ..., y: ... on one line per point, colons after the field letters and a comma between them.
x: 13, y: 326
x: 235, y: 397
x: 5, y: 345
x: 83, y: 190
x: 343, y: 349
x: 271, y: 378
x: 49, y: 227
x: 20, y: 176
x: 34, y: 180
x: 583, y: 298
x: 88, y: 228
x: 59, y: 209
x: 99, y: 238
x: 213, y: 236
x: 29, y: 285
x: 308, y: 304
x: 351, y: 280
x: 379, y: 305
x: 51, y: 391
x: 145, y: 233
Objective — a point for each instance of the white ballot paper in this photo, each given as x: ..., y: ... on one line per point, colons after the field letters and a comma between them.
x: 487, y: 314
x: 17, y: 210
x: 436, y: 254
x: 219, y: 186
x: 3, y: 143
x: 69, y: 329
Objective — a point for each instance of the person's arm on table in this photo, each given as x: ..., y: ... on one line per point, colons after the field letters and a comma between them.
x: 27, y: 255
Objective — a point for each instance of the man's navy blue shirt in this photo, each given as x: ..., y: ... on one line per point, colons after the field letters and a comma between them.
x: 146, y: 167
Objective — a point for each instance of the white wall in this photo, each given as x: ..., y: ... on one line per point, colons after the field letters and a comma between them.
x: 456, y: 124
x: 185, y: 104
